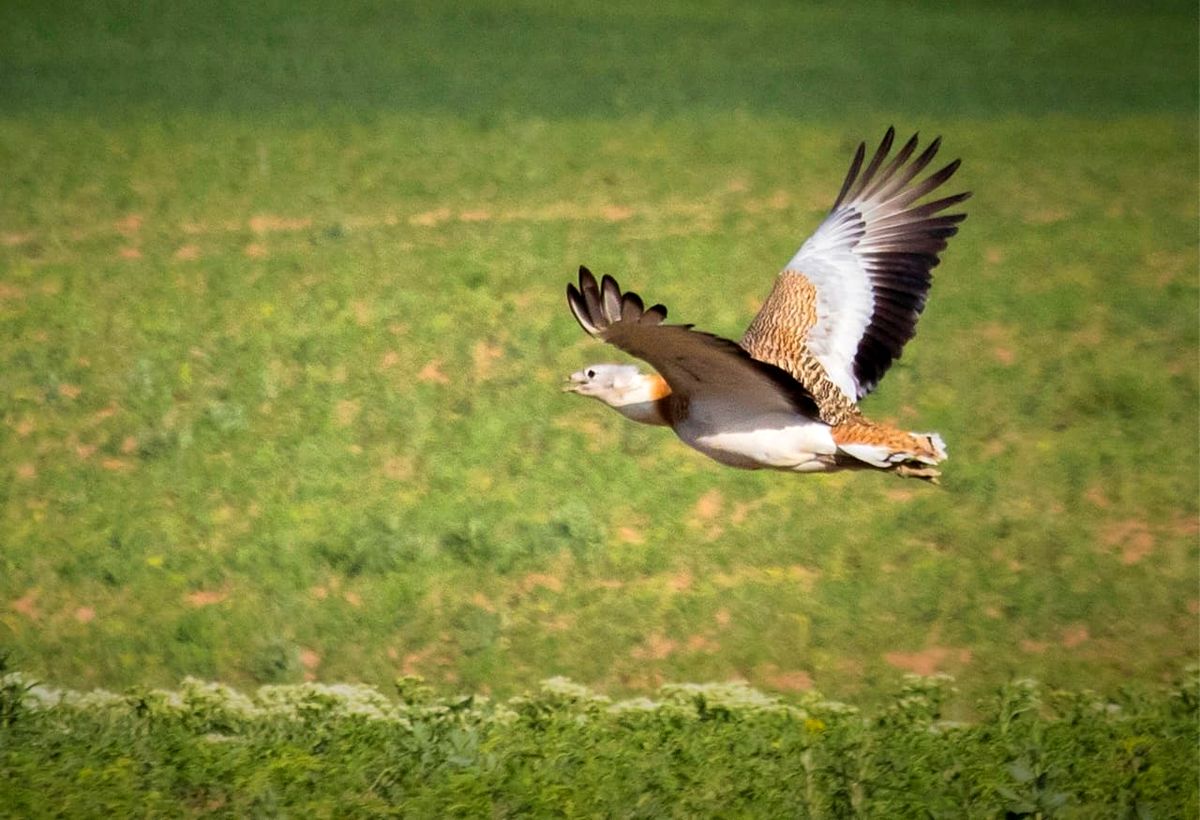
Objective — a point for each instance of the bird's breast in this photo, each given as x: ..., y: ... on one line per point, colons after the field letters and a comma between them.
x: 778, y: 442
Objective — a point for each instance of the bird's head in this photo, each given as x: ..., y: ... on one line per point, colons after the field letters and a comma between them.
x: 610, y: 383
x: 623, y: 387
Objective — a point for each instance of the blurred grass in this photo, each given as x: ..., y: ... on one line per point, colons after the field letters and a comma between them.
x: 282, y: 322
x: 809, y: 60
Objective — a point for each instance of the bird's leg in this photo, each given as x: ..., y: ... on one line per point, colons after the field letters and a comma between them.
x: 926, y: 472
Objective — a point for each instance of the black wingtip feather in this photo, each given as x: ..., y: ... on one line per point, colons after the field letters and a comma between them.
x: 851, y: 175
x: 655, y: 315
x: 897, y: 162
x: 579, y: 310
x: 885, y: 147
x: 610, y: 299
x: 632, y: 307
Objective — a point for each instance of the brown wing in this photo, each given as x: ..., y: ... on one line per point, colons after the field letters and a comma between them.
x: 696, y: 365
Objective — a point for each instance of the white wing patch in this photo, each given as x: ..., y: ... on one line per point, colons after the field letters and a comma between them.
x: 844, y: 306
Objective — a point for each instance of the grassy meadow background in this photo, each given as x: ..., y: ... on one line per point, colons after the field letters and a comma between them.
x: 282, y: 331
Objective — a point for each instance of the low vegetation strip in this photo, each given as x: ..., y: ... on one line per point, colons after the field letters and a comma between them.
x: 564, y: 750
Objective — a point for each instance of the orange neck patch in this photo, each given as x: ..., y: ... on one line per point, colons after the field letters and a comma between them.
x: 659, y: 389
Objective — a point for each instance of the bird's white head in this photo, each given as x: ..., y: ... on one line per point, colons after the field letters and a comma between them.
x: 623, y: 387
x: 606, y: 382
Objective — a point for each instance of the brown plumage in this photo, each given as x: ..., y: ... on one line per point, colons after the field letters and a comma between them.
x: 777, y: 336
x: 863, y: 431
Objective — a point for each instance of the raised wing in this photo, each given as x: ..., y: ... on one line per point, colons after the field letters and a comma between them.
x: 851, y: 296
x: 696, y: 365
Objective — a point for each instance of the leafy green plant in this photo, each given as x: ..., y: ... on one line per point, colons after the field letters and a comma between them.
x: 693, y: 750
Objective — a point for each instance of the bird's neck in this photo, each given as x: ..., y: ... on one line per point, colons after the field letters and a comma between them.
x: 648, y: 401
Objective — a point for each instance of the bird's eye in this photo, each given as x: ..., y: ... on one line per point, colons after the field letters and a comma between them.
x: 591, y: 374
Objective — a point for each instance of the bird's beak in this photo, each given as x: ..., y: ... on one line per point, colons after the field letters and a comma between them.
x: 574, y: 382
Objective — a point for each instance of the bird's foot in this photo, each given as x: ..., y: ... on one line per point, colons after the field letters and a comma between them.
x: 925, y: 472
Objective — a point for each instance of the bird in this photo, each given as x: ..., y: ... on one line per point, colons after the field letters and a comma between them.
x: 786, y: 396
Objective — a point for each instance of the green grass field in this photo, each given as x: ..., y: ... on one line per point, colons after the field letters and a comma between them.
x: 282, y: 330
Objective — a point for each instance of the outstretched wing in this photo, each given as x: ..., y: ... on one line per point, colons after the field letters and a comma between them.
x: 696, y: 365
x: 851, y: 296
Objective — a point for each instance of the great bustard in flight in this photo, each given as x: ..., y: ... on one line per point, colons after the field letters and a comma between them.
x: 786, y: 396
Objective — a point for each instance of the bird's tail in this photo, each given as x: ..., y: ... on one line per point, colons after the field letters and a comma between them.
x: 912, y: 455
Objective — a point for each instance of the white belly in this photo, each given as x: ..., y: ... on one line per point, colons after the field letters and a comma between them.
x: 794, y: 443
